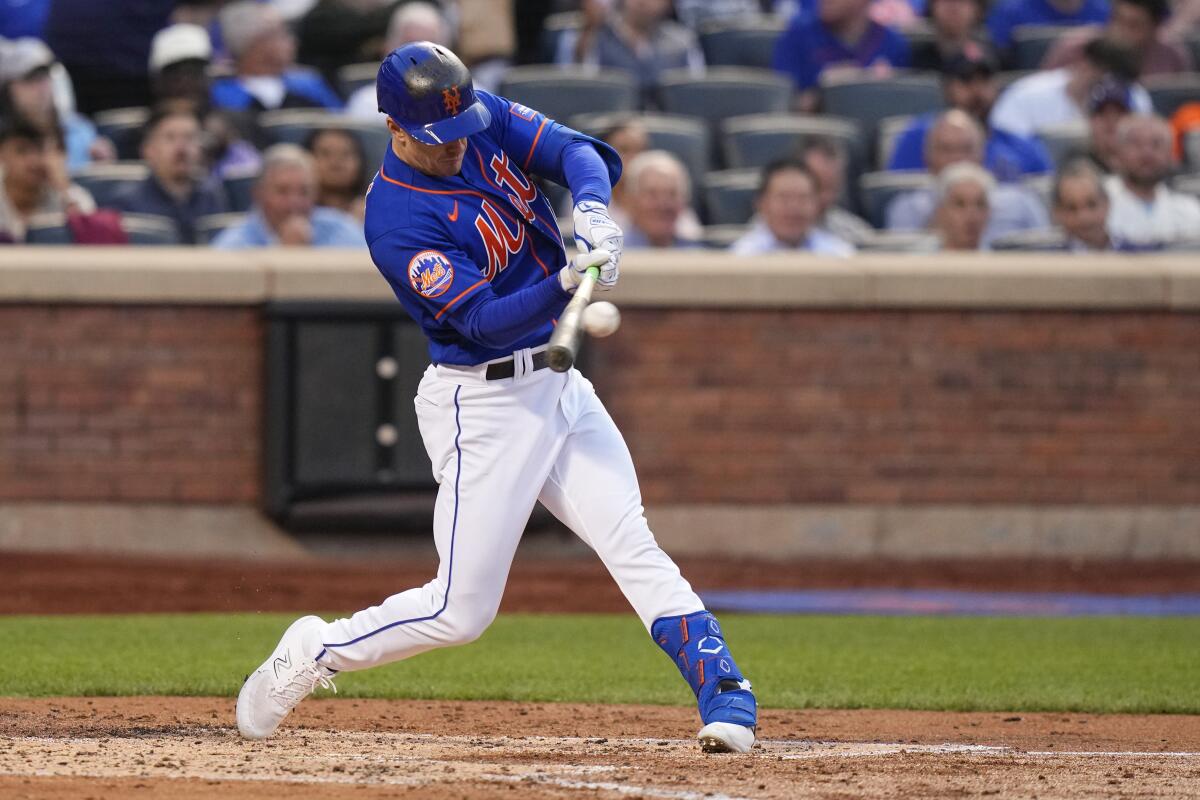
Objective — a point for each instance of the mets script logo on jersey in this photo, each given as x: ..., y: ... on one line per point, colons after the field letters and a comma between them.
x: 430, y: 273
x: 451, y: 99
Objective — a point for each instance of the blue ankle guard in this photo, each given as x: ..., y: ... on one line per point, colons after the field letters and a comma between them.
x: 696, y: 645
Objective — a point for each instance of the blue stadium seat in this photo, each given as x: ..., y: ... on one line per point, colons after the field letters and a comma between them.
x: 1032, y: 42
x: 294, y: 126
x: 353, y: 77
x: 123, y: 126
x: 755, y: 140
x: 1169, y: 92
x: 729, y: 196
x: 748, y: 43
x: 48, y: 229
x: 105, y: 181
x: 877, y: 189
x: 239, y: 189
x: 871, y: 100
x: 684, y: 137
x: 208, y: 227
x: 562, y: 92
x: 724, y: 92
x: 149, y: 229
x: 890, y: 129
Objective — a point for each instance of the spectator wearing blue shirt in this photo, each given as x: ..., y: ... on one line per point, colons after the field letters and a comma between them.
x: 969, y: 83
x: 20, y: 18
x: 285, y: 211
x: 171, y: 147
x: 264, y: 54
x: 840, y: 35
x: 1007, y: 15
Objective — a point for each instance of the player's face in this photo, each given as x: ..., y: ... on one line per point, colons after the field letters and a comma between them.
x: 789, y: 206
x: 1082, y: 210
x: 438, y: 160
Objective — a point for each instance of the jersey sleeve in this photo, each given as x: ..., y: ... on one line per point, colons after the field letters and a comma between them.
x: 435, y: 277
x: 536, y: 142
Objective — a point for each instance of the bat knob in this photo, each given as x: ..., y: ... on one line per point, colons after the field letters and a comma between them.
x: 559, y: 358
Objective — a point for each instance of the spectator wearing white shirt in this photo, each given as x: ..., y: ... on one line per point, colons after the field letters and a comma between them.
x: 1144, y: 210
x: 411, y: 22
x: 1061, y: 95
x: 788, y: 208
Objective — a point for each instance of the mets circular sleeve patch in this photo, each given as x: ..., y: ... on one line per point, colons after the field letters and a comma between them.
x: 430, y: 273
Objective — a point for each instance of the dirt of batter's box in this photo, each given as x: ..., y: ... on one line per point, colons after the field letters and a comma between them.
x: 186, y: 747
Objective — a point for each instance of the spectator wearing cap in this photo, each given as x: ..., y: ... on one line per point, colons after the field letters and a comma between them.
x: 825, y: 157
x: 334, y: 33
x: 175, y: 188
x: 659, y: 194
x: 264, y: 54
x: 955, y: 138
x: 411, y: 22
x: 969, y: 84
x: 1136, y: 24
x: 33, y: 179
x: 1110, y: 103
x: 840, y: 35
x: 956, y: 32
x: 788, y: 210
x: 1006, y: 15
x: 1144, y: 210
x: 1060, y: 96
x: 1081, y: 208
x: 637, y: 37
x: 963, y: 206
x: 285, y: 211
x: 21, y: 18
x: 27, y: 89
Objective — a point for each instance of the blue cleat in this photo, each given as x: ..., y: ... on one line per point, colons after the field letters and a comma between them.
x: 727, y: 705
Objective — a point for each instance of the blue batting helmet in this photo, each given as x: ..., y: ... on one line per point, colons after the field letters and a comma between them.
x: 427, y: 91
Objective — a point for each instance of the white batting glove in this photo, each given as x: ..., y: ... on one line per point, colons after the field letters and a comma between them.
x: 595, y: 229
x: 572, y: 274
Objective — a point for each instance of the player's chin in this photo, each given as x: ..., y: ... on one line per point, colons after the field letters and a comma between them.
x: 448, y: 166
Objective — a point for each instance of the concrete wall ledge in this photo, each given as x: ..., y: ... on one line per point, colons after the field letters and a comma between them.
x: 670, y: 279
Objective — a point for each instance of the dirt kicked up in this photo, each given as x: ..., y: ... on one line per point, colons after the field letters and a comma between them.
x: 188, y: 748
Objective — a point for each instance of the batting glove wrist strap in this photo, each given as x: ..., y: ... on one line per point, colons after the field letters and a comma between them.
x: 696, y: 645
x: 596, y: 230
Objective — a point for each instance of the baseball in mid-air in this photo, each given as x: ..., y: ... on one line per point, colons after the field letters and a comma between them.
x: 601, y: 318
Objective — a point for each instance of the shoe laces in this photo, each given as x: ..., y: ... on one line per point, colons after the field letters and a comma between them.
x: 303, y: 682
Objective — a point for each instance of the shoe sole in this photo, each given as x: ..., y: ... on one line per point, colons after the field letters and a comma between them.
x: 724, y: 737
x: 242, y: 710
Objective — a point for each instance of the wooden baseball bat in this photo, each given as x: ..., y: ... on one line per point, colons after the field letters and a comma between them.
x: 568, y: 334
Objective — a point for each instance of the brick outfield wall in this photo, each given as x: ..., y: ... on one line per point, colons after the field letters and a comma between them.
x: 144, y: 403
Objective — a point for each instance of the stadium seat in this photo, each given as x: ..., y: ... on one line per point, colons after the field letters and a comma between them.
x: 890, y: 129
x: 295, y: 125
x: 1191, y: 149
x: 1193, y: 44
x: 871, y: 100
x: 1041, y: 185
x: 1064, y: 140
x: 1188, y: 184
x: 353, y: 77
x: 239, y: 189
x: 921, y: 33
x: 720, y: 237
x: 684, y: 137
x: 149, y: 229
x: 123, y: 126
x: 208, y: 227
x: 724, y: 92
x: 1032, y: 42
x: 1169, y: 92
x: 105, y: 181
x: 899, y: 242
x: 1041, y: 240
x: 48, y: 229
x: 564, y: 92
x: 748, y: 43
x: 729, y: 196
x: 755, y: 140
x: 876, y: 190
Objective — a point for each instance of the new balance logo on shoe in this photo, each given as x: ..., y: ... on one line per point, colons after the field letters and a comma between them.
x: 285, y: 661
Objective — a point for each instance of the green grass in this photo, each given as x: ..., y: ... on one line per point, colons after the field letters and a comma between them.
x: 1089, y: 664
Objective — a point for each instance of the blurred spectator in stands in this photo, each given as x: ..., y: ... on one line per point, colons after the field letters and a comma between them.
x: 841, y: 35
x: 341, y: 165
x: 957, y: 137
x: 826, y: 159
x: 788, y: 210
x: 105, y: 46
x: 1109, y: 104
x: 636, y: 36
x: 962, y: 206
x: 411, y: 22
x: 1061, y: 95
x: 285, y: 211
x: 264, y: 53
x: 485, y: 38
x: 1144, y: 210
x: 956, y: 32
x: 659, y: 192
x: 697, y: 14
x: 1136, y: 24
x: 21, y: 18
x: 1081, y: 208
x: 1184, y: 22
x: 175, y: 188
x: 27, y: 90
x: 969, y: 84
x: 334, y: 33
x: 628, y: 136
x: 33, y: 178
x: 1006, y: 15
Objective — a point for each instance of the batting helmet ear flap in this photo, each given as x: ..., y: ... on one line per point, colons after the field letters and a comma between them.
x: 428, y: 92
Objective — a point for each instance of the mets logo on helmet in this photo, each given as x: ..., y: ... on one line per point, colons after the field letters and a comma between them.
x: 451, y: 99
x: 430, y: 273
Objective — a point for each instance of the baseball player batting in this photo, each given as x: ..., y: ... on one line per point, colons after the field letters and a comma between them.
x: 470, y: 247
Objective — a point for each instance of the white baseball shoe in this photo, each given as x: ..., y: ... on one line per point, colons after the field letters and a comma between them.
x: 287, y: 677
x: 726, y: 737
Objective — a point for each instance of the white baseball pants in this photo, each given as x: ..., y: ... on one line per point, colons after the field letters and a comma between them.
x: 497, y: 447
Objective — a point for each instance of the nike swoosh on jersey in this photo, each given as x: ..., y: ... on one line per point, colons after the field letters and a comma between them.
x: 453, y: 215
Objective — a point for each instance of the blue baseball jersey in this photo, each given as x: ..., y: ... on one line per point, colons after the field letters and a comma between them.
x: 445, y: 245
